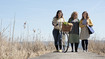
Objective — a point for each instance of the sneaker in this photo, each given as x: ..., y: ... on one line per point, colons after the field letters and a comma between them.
x: 83, y: 50
x: 76, y: 51
x: 86, y: 50
x: 72, y: 51
x: 60, y: 50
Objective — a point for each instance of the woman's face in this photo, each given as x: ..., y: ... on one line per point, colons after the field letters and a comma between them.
x: 75, y: 16
x: 59, y: 15
x: 84, y: 15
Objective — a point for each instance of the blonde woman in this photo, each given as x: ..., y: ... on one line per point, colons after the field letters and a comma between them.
x: 74, y: 33
x: 84, y: 35
x: 57, y: 34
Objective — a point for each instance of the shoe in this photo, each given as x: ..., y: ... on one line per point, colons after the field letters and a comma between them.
x: 72, y: 51
x: 76, y: 51
x: 60, y: 50
x: 83, y: 50
x: 86, y: 50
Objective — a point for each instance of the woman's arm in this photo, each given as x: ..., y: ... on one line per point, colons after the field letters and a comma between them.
x: 90, y: 22
x: 81, y: 25
x: 54, y: 22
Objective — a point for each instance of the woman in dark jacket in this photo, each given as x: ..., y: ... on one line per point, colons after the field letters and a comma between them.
x: 74, y: 33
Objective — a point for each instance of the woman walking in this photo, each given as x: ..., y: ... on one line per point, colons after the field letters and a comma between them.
x: 74, y: 33
x: 57, y: 34
x: 84, y: 35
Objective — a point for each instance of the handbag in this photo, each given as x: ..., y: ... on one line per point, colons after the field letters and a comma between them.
x: 91, y: 31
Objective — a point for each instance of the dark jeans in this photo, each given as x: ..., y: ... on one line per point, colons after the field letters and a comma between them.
x: 57, y: 39
x: 84, y: 44
x: 76, y: 46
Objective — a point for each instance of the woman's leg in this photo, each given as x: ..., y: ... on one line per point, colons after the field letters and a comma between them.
x: 60, y: 45
x: 86, y: 42
x: 56, y: 45
x: 55, y: 35
x: 60, y: 41
x: 83, y: 44
x: 76, y: 47
x: 72, y: 47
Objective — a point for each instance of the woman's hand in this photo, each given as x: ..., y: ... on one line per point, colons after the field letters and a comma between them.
x: 55, y: 24
x: 87, y: 23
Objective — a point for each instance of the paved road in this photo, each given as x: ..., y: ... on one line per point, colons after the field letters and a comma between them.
x: 71, y: 55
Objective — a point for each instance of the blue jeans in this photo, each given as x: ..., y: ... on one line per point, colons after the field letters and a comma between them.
x: 57, y: 39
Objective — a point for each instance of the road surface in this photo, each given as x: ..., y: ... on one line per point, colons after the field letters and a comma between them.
x: 70, y: 55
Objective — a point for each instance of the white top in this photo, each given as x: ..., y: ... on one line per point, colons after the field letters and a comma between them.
x: 75, y: 20
x: 58, y: 23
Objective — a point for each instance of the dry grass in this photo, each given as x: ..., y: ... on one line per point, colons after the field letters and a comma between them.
x: 97, y: 46
x: 23, y: 50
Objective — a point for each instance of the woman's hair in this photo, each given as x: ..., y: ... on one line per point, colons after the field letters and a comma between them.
x: 57, y: 14
x: 73, y: 14
x: 87, y: 16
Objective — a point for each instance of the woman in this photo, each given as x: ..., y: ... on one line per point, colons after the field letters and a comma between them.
x: 74, y: 33
x: 57, y: 34
x: 84, y: 30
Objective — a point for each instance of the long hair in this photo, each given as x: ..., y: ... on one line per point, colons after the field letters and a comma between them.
x: 87, y: 16
x: 73, y: 14
x: 58, y: 13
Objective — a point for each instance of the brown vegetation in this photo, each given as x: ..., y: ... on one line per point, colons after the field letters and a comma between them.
x: 23, y: 50
x: 97, y: 46
x: 10, y: 48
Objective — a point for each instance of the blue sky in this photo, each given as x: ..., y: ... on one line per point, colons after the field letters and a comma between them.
x: 39, y: 14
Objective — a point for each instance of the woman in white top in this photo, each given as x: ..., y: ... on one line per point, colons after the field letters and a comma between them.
x: 57, y: 34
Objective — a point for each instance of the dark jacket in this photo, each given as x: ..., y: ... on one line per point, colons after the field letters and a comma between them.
x: 75, y: 28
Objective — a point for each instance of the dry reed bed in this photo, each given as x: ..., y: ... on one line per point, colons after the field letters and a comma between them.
x: 97, y: 46
x: 11, y: 49
x: 24, y: 50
